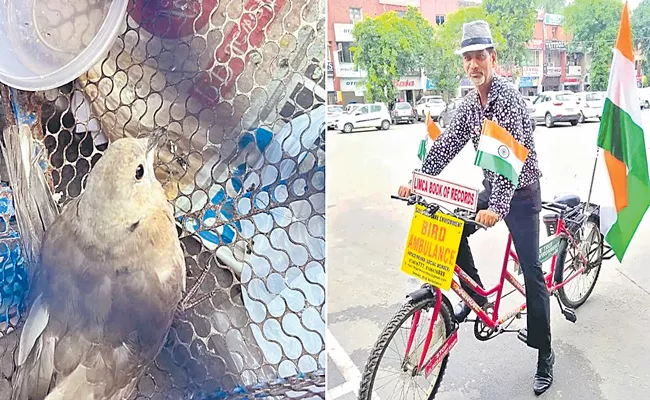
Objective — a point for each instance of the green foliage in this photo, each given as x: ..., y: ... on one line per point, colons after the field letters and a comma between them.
x: 387, y: 46
x: 640, y: 20
x: 511, y: 25
x: 551, y: 6
x: 516, y: 21
x: 446, y: 67
x: 595, y: 34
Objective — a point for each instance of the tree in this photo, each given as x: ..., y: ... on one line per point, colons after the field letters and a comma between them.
x: 388, y: 46
x: 446, y: 68
x: 516, y: 22
x: 595, y: 34
x: 640, y: 21
x: 551, y: 6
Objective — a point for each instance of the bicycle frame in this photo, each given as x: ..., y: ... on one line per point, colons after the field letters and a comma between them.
x: 493, y: 322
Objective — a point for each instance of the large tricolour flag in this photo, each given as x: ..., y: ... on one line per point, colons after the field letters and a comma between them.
x: 627, y: 192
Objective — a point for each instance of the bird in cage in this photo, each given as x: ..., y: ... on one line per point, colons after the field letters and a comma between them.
x: 110, y: 278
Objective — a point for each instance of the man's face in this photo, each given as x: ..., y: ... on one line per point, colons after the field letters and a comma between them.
x: 478, y: 65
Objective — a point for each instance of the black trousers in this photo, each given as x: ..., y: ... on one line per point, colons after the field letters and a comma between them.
x: 523, y: 224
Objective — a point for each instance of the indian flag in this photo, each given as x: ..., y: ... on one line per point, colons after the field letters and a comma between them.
x: 624, y: 166
x: 499, y: 152
x: 433, y: 132
x: 432, y: 128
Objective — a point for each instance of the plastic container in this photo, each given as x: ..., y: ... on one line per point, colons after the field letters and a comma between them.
x: 45, y: 44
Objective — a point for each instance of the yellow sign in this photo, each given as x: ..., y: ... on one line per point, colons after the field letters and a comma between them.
x: 432, y: 247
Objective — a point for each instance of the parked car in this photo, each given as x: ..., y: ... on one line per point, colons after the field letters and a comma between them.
x: 644, y: 97
x: 432, y: 104
x: 591, y: 105
x: 448, y: 113
x: 553, y: 107
x: 531, y: 111
x: 402, y: 112
x: 365, y: 116
x: 333, y: 113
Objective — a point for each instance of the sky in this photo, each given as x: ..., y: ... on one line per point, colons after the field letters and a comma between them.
x: 630, y: 3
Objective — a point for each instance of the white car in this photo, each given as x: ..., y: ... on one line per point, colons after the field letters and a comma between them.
x: 365, y: 116
x: 553, y: 107
x: 333, y: 114
x: 350, y: 106
x: 431, y: 104
x: 591, y: 105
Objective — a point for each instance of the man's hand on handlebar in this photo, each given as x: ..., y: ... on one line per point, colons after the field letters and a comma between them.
x: 483, y: 219
x: 404, y: 191
x: 487, y: 218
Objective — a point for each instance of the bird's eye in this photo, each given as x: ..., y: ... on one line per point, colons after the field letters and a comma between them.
x: 139, y: 172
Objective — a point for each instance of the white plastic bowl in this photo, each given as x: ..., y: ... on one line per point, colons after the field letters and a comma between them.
x: 45, y: 44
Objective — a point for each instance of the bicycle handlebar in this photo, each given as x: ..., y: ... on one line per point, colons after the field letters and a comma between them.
x: 552, y: 206
x: 413, y: 199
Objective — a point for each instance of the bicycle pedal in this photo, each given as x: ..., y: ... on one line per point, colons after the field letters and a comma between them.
x: 523, y: 335
x: 570, y: 314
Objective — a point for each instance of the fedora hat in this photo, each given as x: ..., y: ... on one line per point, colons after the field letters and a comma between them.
x: 476, y: 36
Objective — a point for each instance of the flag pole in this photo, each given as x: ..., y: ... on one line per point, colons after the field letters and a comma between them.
x: 593, y: 175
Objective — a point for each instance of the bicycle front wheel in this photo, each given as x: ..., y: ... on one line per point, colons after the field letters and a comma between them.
x: 590, y: 249
x: 388, y: 373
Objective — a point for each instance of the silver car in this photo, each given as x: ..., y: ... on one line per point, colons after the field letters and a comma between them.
x: 402, y: 112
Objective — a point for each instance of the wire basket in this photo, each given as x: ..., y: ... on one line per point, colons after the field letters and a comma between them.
x: 239, y: 86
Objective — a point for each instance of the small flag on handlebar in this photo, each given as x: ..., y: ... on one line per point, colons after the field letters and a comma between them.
x: 433, y: 132
x: 432, y: 128
x: 422, y: 151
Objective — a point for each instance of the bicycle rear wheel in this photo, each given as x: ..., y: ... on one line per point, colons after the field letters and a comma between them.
x: 590, y: 245
x: 398, y: 367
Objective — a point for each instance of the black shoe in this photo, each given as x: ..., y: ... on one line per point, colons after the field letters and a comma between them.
x: 544, y: 374
x: 462, y: 310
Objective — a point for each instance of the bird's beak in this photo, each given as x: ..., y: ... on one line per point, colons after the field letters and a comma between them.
x: 156, y: 138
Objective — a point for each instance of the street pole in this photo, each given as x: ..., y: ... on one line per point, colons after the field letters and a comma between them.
x: 337, y: 71
x: 544, y: 64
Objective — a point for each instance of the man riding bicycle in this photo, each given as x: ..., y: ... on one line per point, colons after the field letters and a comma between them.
x: 494, y: 98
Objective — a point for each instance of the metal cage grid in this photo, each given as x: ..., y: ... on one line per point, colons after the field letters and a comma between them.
x: 239, y: 86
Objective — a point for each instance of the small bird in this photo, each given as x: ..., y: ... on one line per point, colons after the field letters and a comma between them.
x: 110, y: 278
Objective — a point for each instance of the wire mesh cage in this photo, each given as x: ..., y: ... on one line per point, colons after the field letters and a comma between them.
x: 239, y: 87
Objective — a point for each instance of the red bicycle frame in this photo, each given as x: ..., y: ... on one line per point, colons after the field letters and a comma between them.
x: 492, y: 322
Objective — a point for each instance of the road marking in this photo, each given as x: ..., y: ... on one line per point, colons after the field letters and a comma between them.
x: 340, y: 390
x: 347, y: 368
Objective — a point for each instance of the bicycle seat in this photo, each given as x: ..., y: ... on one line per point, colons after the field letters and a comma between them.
x: 570, y: 200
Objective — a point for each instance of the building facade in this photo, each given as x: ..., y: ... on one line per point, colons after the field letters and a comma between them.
x: 343, y: 80
x: 549, y: 65
x: 554, y: 52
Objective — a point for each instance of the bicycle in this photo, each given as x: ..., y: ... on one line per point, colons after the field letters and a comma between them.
x: 575, y: 237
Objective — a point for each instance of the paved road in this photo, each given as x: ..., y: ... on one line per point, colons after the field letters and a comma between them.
x: 603, y: 356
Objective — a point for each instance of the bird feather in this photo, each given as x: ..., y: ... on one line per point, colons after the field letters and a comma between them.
x: 34, y: 327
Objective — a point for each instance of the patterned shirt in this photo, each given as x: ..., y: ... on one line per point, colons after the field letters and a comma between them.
x: 505, y: 106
